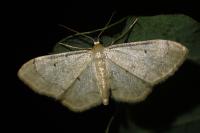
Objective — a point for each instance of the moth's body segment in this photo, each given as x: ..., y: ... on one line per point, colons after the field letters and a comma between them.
x: 102, y: 73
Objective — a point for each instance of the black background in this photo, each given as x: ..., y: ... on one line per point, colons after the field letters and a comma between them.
x: 32, y: 29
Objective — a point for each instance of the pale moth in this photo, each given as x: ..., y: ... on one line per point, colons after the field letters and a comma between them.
x: 86, y: 78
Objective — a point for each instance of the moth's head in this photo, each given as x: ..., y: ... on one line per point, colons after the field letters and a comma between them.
x: 97, y: 46
x: 96, y: 42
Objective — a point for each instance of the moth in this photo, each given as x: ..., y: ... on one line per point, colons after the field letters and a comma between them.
x: 86, y: 78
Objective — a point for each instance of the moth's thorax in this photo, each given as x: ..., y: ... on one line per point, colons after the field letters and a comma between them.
x: 101, y: 72
x: 97, y: 47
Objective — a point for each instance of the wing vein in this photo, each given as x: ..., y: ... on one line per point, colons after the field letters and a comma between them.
x: 130, y: 72
x: 44, y: 77
x: 152, y: 59
x: 65, y: 91
x: 128, y: 44
x: 58, y: 62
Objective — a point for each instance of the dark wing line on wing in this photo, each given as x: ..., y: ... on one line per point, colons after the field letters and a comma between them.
x: 134, y: 49
x: 67, y: 53
x: 131, y: 55
x: 43, y: 77
x: 154, y: 60
x: 65, y: 91
x: 61, y: 60
x: 130, y: 72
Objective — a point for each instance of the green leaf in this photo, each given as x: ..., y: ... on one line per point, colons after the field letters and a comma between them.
x: 185, y: 30
x: 180, y: 28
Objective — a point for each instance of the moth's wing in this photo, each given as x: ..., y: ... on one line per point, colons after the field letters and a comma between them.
x: 136, y: 67
x: 83, y: 94
x: 66, y: 77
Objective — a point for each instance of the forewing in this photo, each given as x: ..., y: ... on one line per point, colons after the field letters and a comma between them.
x: 144, y: 64
x: 53, y: 75
x: 83, y: 94
x: 151, y: 61
x: 125, y: 86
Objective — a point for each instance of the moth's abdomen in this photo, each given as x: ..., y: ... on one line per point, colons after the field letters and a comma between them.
x: 102, y: 77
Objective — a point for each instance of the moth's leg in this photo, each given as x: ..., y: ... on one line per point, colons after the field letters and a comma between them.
x: 93, y: 31
x: 124, y: 33
x: 90, y: 32
x: 105, y: 27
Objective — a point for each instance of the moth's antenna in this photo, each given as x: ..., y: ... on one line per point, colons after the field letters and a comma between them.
x: 93, y: 31
x: 107, y: 24
x: 69, y: 46
x: 81, y: 34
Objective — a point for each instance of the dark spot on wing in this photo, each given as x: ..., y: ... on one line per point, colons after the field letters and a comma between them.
x: 145, y: 51
x: 78, y: 78
x: 54, y: 64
